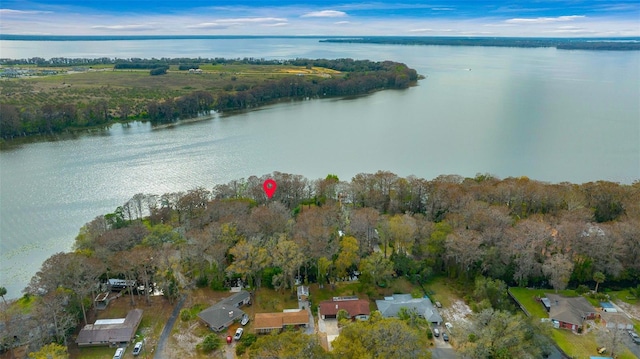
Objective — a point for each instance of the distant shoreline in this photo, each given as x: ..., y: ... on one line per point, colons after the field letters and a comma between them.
x: 583, y: 43
x: 599, y: 44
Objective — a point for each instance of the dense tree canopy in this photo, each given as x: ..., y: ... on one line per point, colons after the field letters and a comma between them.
x: 498, y: 233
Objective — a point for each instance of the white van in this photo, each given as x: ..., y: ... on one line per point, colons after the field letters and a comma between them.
x: 119, y: 353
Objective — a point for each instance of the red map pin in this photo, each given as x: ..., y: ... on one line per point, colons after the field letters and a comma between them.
x: 269, y: 187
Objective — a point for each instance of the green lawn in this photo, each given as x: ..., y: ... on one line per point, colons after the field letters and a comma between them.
x: 443, y: 290
x: 582, y: 346
x: 623, y: 295
x: 527, y: 297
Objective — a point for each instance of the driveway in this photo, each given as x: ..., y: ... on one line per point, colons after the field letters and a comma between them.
x: 330, y: 327
x: 311, y: 327
x: 167, y: 329
x: 633, y: 347
x: 229, y: 350
x: 444, y: 353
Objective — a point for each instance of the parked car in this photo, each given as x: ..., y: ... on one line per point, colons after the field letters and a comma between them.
x: 436, y: 332
x: 438, y: 305
x: 634, y: 336
x: 229, y: 339
x: 245, y: 320
x: 137, y: 349
x: 448, y: 325
x: 238, y: 334
x: 445, y: 336
x: 119, y: 353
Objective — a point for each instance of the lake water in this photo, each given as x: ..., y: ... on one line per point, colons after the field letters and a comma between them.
x: 548, y: 114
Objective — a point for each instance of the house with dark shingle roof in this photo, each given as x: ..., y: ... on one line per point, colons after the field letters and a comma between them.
x: 569, y: 312
x: 390, y: 307
x: 111, y: 332
x: 222, y: 314
x: 354, y: 307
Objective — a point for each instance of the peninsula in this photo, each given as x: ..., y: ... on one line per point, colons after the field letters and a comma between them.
x: 40, y: 96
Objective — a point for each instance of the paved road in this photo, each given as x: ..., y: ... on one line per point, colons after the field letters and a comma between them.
x: 167, y: 329
x: 444, y: 353
x: 633, y: 347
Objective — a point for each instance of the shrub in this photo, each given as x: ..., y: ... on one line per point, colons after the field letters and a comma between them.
x: 185, y: 315
x: 210, y: 343
x: 202, y: 281
x: 245, y: 342
x: 159, y: 71
x: 582, y: 289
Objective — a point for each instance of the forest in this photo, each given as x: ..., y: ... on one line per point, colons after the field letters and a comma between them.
x: 83, y: 100
x: 514, y: 231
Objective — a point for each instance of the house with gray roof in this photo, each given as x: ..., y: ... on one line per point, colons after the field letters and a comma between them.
x: 222, y: 314
x: 569, y: 312
x: 390, y: 307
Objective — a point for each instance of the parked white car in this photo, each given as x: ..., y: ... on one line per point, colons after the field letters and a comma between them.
x: 238, y: 334
x: 119, y: 353
x: 137, y: 349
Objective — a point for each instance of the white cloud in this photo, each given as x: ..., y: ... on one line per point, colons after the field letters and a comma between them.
x: 226, y: 23
x: 544, y: 20
x: 253, y: 19
x: 325, y: 13
x: 277, y: 24
x: 211, y: 25
x: 131, y: 27
x: 22, y: 12
x: 342, y: 22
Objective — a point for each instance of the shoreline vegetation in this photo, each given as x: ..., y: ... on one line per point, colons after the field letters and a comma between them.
x: 61, y: 95
x: 595, y: 44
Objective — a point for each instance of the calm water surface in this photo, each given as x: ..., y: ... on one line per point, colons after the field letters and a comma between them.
x: 548, y: 114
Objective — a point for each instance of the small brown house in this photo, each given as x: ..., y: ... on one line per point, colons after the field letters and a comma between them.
x: 352, y: 305
x: 267, y: 322
x: 111, y: 332
x: 569, y: 312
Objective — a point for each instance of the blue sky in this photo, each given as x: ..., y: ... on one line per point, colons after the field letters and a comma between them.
x: 548, y: 18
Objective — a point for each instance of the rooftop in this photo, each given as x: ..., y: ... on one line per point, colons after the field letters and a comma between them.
x: 352, y: 306
x: 107, y: 331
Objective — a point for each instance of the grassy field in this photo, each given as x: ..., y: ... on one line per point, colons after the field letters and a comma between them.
x: 444, y: 291
x: 582, y: 346
x: 118, y: 85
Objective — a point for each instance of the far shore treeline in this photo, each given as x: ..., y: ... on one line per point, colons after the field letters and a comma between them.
x: 83, y: 93
x: 514, y: 231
